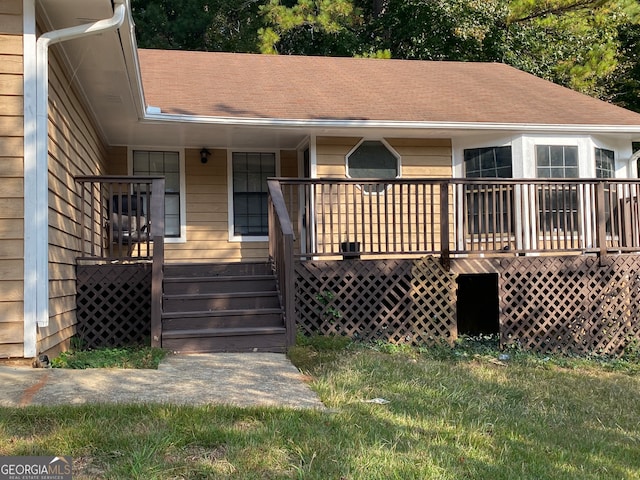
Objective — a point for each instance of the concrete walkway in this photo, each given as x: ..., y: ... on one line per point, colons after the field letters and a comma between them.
x: 241, y: 379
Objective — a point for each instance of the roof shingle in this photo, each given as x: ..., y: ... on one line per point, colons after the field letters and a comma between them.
x: 306, y: 88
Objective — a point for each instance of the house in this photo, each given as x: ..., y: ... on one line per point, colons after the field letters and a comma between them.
x: 406, y: 196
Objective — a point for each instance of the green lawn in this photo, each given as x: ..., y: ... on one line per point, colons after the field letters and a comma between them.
x: 451, y: 415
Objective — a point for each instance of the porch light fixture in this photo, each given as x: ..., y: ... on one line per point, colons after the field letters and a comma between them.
x: 204, y: 155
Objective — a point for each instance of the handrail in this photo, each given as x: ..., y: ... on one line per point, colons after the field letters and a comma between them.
x: 281, y: 240
x: 462, y: 216
x: 117, y: 214
x: 451, y: 181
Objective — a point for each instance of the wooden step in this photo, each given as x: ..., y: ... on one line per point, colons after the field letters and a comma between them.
x: 219, y: 284
x: 231, y: 307
x: 265, y: 317
x: 267, y: 339
x: 217, y: 269
x: 220, y: 301
x: 223, y: 332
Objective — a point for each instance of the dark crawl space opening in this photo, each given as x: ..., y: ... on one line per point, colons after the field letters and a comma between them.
x: 477, y: 305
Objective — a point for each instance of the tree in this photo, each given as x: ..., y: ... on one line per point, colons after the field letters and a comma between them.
x: 575, y: 43
x: 311, y: 27
x: 467, y: 30
x: 624, y: 89
x: 222, y: 25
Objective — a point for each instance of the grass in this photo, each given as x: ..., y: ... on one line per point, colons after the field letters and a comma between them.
x: 121, y: 357
x: 452, y: 414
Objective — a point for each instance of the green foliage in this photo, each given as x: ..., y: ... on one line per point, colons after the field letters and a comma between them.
x: 328, y: 312
x: 310, y: 27
x: 577, y: 47
x: 440, y: 29
x: 220, y: 25
x: 124, y: 357
x: 625, y: 85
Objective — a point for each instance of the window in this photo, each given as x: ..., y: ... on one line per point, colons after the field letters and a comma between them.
x: 250, y: 171
x: 558, y: 203
x: 488, y: 211
x: 491, y: 162
x: 605, y: 163
x: 557, y: 161
x: 373, y: 159
x: 167, y: 164
x: 605, y: 168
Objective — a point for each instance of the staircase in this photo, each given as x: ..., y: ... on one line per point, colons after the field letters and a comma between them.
x: 232, y: 307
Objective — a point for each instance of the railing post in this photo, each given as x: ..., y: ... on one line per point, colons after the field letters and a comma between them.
x: 157, y: 268
x: 445, y: 255
x: 156, y: 291
x: 601, y: 231
x: 289, y: 293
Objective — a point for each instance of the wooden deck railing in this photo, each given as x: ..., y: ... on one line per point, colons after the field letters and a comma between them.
x: 121, y: 221
x: 281, y: 254
x: 119, y: 217
x: 462, y: 216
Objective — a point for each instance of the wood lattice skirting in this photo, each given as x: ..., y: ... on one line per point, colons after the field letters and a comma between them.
x: 405, y: 301
x: 547, y: 304
x: 113, y: 304
x: 570, y: 304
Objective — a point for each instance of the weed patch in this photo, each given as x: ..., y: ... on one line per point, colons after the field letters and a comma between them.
x: 124, y: 357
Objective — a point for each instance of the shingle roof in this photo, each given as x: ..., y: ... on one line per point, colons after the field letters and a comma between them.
x: 305, y: 88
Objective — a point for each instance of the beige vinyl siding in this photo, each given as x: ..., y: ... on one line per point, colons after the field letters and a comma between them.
x: 330, y: 155
x: 424, y: 158
x: 11, y: 180
x: 419, y: 158
x: 117, y: 161
x: 75, y: 148
x: 208, y: 212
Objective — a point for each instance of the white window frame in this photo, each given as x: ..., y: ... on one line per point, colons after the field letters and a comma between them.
x: 183, y: 185
x: 388, y: 147
x: 615, y: 161
x: 231, y: 224
x: 458, y: 146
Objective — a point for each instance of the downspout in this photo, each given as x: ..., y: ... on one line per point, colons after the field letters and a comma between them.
x: 38, y: 285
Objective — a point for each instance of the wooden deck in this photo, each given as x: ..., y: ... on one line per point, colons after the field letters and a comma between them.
x: 566, y: 253
x: 388, y: 265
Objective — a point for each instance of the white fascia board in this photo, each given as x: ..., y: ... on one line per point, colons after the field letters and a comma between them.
x: 390, y: 124
x: 132, y: 62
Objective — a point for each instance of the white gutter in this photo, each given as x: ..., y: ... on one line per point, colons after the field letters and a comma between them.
x: 37, y: 175
x: 151, y: 116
